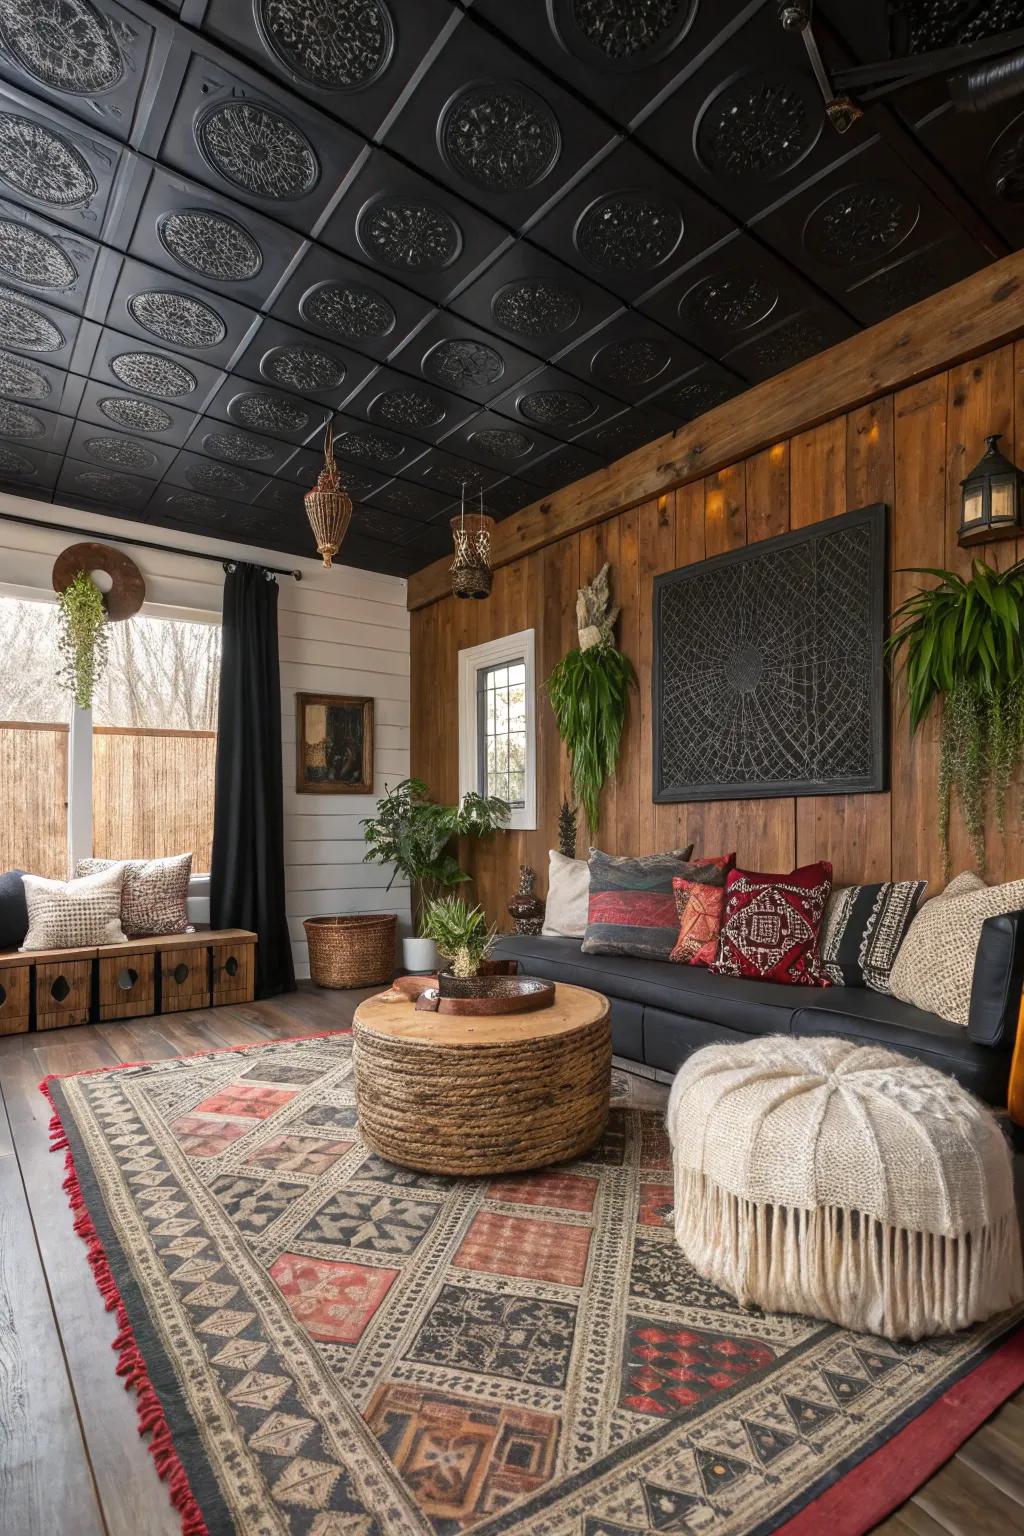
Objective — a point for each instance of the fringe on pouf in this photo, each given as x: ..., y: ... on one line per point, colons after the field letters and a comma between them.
x: 844, y: 1266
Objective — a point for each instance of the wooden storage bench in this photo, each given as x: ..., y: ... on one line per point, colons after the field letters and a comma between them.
x: 50, y: 988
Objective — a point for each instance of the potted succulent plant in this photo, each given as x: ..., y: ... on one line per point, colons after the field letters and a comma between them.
x: 461, y: 933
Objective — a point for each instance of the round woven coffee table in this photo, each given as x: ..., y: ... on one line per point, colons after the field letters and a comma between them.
x: 449, y: 1094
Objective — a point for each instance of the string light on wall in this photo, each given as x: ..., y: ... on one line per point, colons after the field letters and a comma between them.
x: 471, y: 535
x: 328, y: 506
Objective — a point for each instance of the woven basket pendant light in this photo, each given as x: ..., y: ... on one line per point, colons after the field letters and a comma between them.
x: 328, y: 506
x: 471, y: 535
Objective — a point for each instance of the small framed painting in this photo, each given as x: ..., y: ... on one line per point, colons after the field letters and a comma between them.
x: 334, y: 745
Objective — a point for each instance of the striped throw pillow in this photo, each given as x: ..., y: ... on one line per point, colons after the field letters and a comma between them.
x: 632, y: 908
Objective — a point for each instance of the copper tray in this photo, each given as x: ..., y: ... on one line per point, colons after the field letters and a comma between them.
x: 491, y: 995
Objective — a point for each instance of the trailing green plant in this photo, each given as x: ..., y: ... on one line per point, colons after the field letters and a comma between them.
x: 960, y: 645
x: 460, y: 932
x: 415, y: 835
x: 83, y: 637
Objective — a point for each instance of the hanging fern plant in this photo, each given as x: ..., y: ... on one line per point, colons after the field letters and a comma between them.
x: 589, y: 693
x: 83, y: 637
x: 961, y: 645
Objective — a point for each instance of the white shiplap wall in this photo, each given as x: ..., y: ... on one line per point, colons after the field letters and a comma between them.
x: 341, y: 631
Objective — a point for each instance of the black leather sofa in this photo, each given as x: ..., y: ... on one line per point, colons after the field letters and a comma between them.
x: 662, y: 1012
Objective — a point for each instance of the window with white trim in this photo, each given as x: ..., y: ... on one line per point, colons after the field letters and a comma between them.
x: 497, y: 724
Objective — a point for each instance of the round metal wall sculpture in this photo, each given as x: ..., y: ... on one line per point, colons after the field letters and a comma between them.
x: 66, y: 44
x: 348, y: 310
x: 258, y: 150
x: 621, y: 34
x: 500, y: 136
x: 631, y: 231
x: 535, y: 306
x: 15, y: 465
x: 860, y: 223
x: 34, y: 259
x: 153, y: 374
x: 408, y: 408
x: 237, y: 448
x: 305, y: 369
x: 43, y: 165
x: 556, y: 407
x: 462, y: 363
x: 121, y: 452
x: 731, y: 301
x: 631, y: 362
x: 268, y: 413
x: 502, y: 442
x: 408, y: 236
x: 210, y: 244
x: 177, y: 318
x: 15, y: 421
x: 328, y: 506
x: 759, y: 125
x: 136, y: 415
x: 25, y: 327
x: 339, y: 45
x: 127, y: 587
x: 21, y: 380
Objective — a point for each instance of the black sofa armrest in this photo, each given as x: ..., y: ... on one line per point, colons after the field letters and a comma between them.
x: 998, y: 978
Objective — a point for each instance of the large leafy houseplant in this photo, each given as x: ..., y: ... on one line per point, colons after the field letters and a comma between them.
x: 589, y: 694
x: 83, y: 636
x: 416, y: 835
x: 960, y: 644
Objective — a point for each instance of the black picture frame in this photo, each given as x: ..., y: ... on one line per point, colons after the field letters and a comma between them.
x: 773, y: 560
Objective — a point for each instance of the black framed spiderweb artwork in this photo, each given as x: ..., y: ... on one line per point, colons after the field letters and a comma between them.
x: 769, y: 675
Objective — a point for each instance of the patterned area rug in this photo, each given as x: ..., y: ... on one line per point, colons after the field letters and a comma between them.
x: 328, y: 1345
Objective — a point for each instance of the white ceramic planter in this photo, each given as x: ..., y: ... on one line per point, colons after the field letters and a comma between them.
x: 419, y: 956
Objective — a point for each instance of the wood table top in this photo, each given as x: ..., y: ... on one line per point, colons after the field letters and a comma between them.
x: 389, y: 1014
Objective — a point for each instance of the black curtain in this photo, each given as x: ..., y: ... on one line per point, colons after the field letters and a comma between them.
x: 247, y: 866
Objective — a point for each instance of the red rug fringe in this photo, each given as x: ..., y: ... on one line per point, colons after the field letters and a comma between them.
x: 131, y: 1365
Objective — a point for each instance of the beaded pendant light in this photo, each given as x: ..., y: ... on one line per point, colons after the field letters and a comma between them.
x: 328, y: 506
x: 471, y: 535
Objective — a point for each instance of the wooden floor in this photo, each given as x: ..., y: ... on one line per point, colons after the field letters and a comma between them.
x: 71, y: 1462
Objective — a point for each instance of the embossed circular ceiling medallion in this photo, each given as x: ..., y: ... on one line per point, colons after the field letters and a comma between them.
x: 786, y: 346
x: 153, y: 374
x: 15, y: 464
x: 349, y: 310
x: 859, y: 223
x: 759, y: 124
x: 690, y: 400
x: 21, y: 380
x: 499, y: 135
x: 730, y: 301
x: 258, y: 150
x: 268, y: 413
x: 462, y: 363
x: 177, y: 318
x: 215, y: 477
x: 556, y: 407
x: 210, y: 244
x: 121, y: 452
x: 25, y: 327
x: 631, y: 362
x: 621, y: 34
x: 15, y: 421
x: 194, y: 503
x: 306, y: 369
x: 535, y: 306
x: 628, y: 231
x: 137, y: 415
x: 65, y: 44
x: 339, y: 45
x: 372, y: 447
x: 34, y: 259
x: 1005, y: 165
x: 502, y: 442
x: 408, y: 408
x: 43, y: 165
x: 106, y: 483
x: 407, y: 234
x: 237, y: 447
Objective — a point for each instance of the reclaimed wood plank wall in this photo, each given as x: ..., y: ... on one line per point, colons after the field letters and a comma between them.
x: 910, y: 449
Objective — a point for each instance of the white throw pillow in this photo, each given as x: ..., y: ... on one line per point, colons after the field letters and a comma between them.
x: 74, y: 914
x: 568, y: 896
x: 935, y: 965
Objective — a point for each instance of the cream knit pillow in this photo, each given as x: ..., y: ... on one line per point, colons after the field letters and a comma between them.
x: 935, y: 965
x: 74, y: 914
x: 568, y: 896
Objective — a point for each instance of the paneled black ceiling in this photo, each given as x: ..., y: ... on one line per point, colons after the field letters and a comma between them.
x: 499, y: 243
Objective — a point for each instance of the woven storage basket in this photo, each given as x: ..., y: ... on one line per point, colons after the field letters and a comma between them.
x: 353, y: 950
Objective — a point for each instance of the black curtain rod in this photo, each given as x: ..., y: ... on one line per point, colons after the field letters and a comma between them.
x: 166, y: 549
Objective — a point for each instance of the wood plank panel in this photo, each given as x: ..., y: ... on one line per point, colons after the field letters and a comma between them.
x: 555, y: 619
x: 725, y: 510
x: 597, y: 545
x: 659, y: 522
x: 627, y: 803
x: 767, y: 493
x: 674, y: 825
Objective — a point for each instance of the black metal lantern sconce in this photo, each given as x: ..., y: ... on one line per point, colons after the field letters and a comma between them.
x: 990, y: 498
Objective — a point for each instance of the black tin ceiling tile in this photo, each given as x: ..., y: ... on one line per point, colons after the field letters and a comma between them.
x: 36, y: 329
x: 32, y: 469
x: 407, y: 228
x: 397, y: 402
x: 376, y: 555
x: 40, y: 257
x: 120, y: 451
x: 432, y: 542
x: 557, y: 403
x: 913, y: 278
x: 191, y: 510
x: 154, y: 307
x: 28, y: 424
x: 104, y: 486
x: 984, y: 153
x: 355, y: 61
x: 282, y: 496
x: 374, y: 449
x: 260, y: 146
x: 535, y: 300
x: 52, y: 164
x: 460, y: 357
x: 153, y: 371
x: 92, y: 57
x: 303, y: 364
x: 788, y: 343
x: 629, y: 357
x: 623, y: 433
x: 375, y: 522
x: 360, y: 480
x: 629, y: 223
x: 491, y: 126
x: 205, y: 238
x: 193, y: 472
x: 235, y: 447
x: 510, y: 495
x: 570, y: 462
x: 696, y: 392
x: 123, y: 411
x: 449, y: 472
x: 33, y: 381
x: 255, y: 408
x: 351, y: 306
x: 495, y: 441
x: 416, y: 503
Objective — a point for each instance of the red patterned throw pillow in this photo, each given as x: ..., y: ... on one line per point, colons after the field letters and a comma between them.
x: 700, y: 905
x: 771, y: 927
x: 632, y: 910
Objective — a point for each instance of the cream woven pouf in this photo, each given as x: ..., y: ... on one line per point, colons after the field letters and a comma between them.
x: 844, y: 1182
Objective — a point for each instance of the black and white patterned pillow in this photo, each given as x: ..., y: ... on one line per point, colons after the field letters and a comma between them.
x: 154, y: 894
x: 74, y: 914
x: 864, y: 928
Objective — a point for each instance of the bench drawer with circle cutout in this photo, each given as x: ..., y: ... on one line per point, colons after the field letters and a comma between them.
x: 63, y: 993
x: 127, y: 985
x: 184, y: 978
x: 234, y: 972
x: 15, y: 992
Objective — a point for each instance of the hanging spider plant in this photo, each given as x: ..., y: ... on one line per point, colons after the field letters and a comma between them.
x: 960, y: 644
